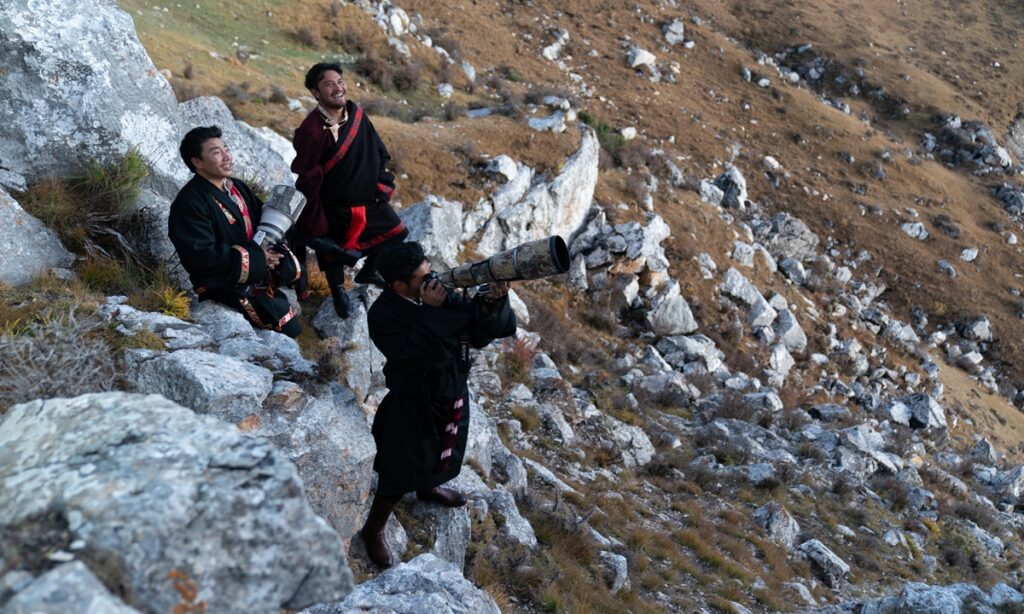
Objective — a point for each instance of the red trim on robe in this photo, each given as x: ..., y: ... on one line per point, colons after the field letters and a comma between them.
x: 240, y: 203
x: 385, y: 189
x: 254, y: 317
x: 285, y: 319
x: 357, y: 118
x: 381, y: 237
x: 243, y: 275
x: 356, y: 226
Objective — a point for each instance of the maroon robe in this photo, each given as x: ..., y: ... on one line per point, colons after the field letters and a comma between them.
x: 346, y: 182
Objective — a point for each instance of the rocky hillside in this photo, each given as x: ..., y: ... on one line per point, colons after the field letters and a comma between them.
x: 783, y: 374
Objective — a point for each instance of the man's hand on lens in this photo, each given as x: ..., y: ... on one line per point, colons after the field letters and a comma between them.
x: 498, y: 291
x: 433, y: 293
x: 272, y: 258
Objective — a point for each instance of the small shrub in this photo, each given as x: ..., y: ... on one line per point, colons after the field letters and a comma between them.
x: 278, y: 95
x: 236, y: 92
x: 453, y: 111
x: 59, y: 355
x: 442, y: 39
x: 374, y: 68
x: 307, y: 37
x: 517, y: 361
x: 383, y: 107
x: 511, y: 74
x: 93, y: 211
x: 407, y: 75
x: 351, y: 41
x: 332, y: 365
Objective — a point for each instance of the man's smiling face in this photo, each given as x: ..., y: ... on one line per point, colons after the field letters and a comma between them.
x: 331, y: 90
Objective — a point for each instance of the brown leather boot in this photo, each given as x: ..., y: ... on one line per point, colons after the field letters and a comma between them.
x: 373, y: 531
x: 445, y: 496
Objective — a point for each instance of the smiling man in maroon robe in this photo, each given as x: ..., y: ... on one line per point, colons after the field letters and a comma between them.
x: 341, y: 165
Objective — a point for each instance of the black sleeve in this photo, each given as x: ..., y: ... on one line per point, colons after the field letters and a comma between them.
x: 211, y: 263
x: 490, y: 320
x: 385, y: 178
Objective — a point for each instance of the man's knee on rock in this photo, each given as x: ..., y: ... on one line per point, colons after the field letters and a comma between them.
x: 293, y: 328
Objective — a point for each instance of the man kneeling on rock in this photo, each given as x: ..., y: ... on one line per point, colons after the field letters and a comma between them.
x: 424, y: 331
x: 212, y: 223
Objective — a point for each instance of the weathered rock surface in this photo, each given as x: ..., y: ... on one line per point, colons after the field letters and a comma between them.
x: 70, y: 587
x: 832, y: 569
x: 89, y: 94
x: 328, y: 439
x: 164, y: 489
x: 782, y: 528
x: 425, y: 584
x: 558, y: 207
x: 364, y: 362
x: 206, y: 382
x: 29, y: 247
x: 434, y: 223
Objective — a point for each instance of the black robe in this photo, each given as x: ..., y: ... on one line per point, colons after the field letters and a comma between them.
x: 209, y: 233
x: 427, y: 351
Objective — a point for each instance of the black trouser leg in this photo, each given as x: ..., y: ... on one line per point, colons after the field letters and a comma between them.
x: 336, y: 281
x: 373, y: 531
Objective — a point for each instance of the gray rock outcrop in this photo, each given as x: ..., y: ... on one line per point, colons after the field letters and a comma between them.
x: 558, y: 207
x: 166, y: 490
x: 88, y: 94
x: 29, y: 248
x: 425, y: 584
x: 69, y: 587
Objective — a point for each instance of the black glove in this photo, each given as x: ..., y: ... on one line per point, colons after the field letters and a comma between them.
x: 329, y: 252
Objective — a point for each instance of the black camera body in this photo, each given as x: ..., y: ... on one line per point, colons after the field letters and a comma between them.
x: 431, y: 277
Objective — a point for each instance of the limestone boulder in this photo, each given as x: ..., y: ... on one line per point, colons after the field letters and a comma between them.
x: 556, y: 207
x: 163, y: 489
x: 427, y: 583
x: 205, y: 382
x: 69, y: 587
x: 328, y: 439
x: 670, y: 313
x: 364, y: 371
x: 830, y: 568
x: 436, y: 223
x: 30, y: 248
x: 78, y: 86
x: 780, y: 525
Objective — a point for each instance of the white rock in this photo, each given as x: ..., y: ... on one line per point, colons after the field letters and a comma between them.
x: 636, y: 57
x: 915, y: 230
x: 552, y: 123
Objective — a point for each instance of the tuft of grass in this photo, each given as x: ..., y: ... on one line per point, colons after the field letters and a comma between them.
x: 58, y: 354
x: 93, y: 211
x: 527, y: 417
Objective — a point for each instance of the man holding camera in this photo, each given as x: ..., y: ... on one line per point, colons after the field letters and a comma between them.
x: 212, y: 224
x: 341, y: 165
x: 425, y: 332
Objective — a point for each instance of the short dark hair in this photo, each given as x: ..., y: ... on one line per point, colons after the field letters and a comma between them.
x: 313, y: 74
x: 192, y: 144
x: 400, y: 262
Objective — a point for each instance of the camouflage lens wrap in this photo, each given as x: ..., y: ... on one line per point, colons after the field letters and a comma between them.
x: 531, y: 260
